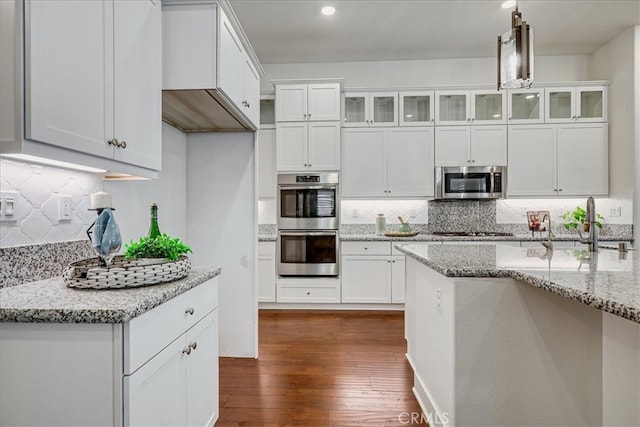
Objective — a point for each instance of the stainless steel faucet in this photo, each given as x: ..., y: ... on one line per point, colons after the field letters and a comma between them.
x: 590, y: 219
x: 547, y: 243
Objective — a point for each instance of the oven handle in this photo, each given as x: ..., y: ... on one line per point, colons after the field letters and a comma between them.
x: 308, y: 233
x: 307, y: 187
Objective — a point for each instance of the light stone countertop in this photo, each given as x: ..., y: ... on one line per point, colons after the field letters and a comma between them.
x: 51, y: 301
x: 426, y: 237
x: 607, y: 280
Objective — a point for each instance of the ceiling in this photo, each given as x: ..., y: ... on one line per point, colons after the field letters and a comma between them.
x: 294, y: 31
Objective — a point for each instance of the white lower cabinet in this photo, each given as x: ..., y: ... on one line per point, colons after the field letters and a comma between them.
x: 158, y: 369
x: 371, y: 274
x: 266, y: 271
x: 325, y: 290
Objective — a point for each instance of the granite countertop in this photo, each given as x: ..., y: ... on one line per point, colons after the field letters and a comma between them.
x: 607, y: 280
x: 426, y: 237
x: 52, y: 301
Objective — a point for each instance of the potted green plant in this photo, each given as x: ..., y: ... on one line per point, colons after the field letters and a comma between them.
x: 577, y: 217
x: 162, y: 247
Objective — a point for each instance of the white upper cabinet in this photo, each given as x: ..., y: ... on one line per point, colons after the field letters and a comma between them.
x: 576, y: 104
x: 416, y: 108
x: 471, y: 145
x: 558, y: 160
x: 211, y: 76
x: 307, y: 102
x: 364, y: 109
x: 380, y: 162
x: 92, y: 83
x: 462, y: 107
x: 313, y: 146
x: 525, y: 106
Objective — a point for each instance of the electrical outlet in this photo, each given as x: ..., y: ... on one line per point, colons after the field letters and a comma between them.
x: 615, y: 211
x: 439, y: 298
x: 8, y: 202
x: 64, y: 207
x: 355, y: 213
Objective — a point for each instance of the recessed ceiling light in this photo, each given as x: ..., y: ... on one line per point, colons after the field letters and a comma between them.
x: 328, y: 10
x: 508, y: 4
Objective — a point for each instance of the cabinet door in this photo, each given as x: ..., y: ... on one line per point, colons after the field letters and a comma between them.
x: 410, y: 162
x: 583, y: 162
x: 266, y: 163
x: 230, y: 61
x: 560, y: 105
x: 452, y: 146
x: 69, y: 74
x: 251, y: 100
x: 155, y: 394
x: 397, y: 279
x: 452, y: 108
x: 383, y: 108
x: 525, y: 106
x: 356, y: 109
x: 202, y: 372
x: 138, y: 90
x: 488, y: 107
x: 324, y: 146
x: 532, y: 160
x: 364, y: 171
x: 291, y: 103
x: 591, y: 104
x: 416, y: 108
x: 366, y: 279
x: 291, y: 146
x: 488, y: 145
x: 323, y: 101
x: 266, y: 271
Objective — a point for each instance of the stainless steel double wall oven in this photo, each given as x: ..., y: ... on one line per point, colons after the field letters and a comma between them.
x: 308, y: 222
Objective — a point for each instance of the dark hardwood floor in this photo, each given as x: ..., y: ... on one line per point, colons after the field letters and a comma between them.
x: 320, y: 368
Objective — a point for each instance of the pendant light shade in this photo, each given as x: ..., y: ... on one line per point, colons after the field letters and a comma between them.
x: 515, y: 54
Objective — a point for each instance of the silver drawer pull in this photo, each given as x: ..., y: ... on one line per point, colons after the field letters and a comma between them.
x: 187, y: 350
x: 189, y: 310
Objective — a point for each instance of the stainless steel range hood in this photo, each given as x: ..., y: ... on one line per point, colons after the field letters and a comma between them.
x: 211, y: 75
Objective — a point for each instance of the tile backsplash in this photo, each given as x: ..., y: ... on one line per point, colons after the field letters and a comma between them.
x: 38, y: 188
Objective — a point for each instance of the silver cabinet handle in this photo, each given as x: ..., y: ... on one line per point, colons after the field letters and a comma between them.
x: 123, y: 144
x: 308, y: 293
x: 187, y: 350
x: 389, y: 260
x: 112, y: 142
x: 559, y: 189
x: 189, y: 310
x: 393, y: 260
x: 309, y: 115
x: 193, y: 345
x: 473, y: 161
x: 366, y: 249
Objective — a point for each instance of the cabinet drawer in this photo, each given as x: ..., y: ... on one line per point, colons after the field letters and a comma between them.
x: 148, y: 334
x: 308, y: 293
x: 266, y: 248
x: 366, y: 248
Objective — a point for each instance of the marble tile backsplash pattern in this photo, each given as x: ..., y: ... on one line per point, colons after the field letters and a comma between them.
x: 38, y: 189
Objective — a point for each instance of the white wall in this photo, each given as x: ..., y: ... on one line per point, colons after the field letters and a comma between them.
x: 615, y: 62
x: 132, y: 199
x: 434, y: 72
x: 636, y: 55
x: 222, y: 229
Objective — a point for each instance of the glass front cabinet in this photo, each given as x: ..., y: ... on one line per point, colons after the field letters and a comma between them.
x: 363, y: 109
x: 525, y: 106
x: 576, y: 104
x: 416, y: 108
x: 470, y: 107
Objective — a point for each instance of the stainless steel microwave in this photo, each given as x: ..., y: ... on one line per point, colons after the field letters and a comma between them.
x: 471, y: 182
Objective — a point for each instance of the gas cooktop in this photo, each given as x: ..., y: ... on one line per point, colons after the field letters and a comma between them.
x: 472, y: 233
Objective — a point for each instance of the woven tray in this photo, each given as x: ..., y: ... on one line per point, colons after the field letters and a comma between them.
x: 89, y: 274
x: 401, y: 233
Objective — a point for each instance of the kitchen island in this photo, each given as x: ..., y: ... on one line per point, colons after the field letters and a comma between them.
x: 501, y: 335
x: 139, y: 356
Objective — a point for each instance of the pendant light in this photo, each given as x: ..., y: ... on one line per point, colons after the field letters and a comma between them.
x: 515, y: 54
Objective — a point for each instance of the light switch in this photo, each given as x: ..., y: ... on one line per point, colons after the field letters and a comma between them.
x: 8, y: 205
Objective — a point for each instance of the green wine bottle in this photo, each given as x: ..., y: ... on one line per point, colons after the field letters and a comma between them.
x: 154, y: 230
